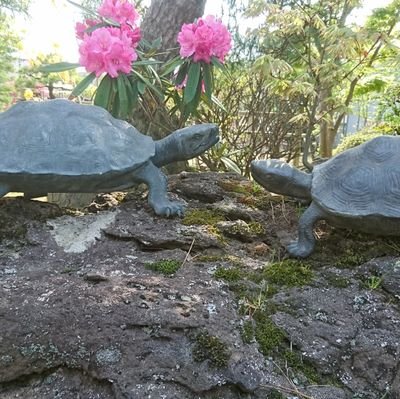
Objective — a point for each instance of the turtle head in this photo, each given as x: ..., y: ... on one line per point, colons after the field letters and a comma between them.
x: 279, y: 177
x: 186, y: 143
x: 196, y: 139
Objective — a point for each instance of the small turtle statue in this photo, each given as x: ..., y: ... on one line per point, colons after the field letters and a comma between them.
x: 358, y: 189
x: 62, y: 146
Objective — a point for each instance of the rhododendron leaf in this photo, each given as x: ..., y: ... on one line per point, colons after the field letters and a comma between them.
x: 155, y: 74
x: 192, y: 83
x: 114, y: 86
x: 182, y: 74
x: 58, y: 67
x: 97, y: 26
x: 191, y: 107
x: 146, y: 62
x: 110, y: 21
x: 102, y: 96
x: 217, y: 63
x: 208, y: 80
x: 156, y: 44
x: 141, y: 87
x: 122, y: 97
x: 85, y: 9
x: 132, y: 91
x: 148, y: 83
x: 82, y: 85
x: 171, y: 65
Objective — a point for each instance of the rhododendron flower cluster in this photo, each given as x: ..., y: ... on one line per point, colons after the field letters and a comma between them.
x: 120, y: 11
x: 109, y: 49
x: 205, y: 39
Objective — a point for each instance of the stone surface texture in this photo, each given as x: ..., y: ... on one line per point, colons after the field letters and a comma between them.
x: 83, y: 313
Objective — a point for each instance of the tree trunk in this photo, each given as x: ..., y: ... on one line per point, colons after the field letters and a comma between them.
x: 327, y: 139
x: 163, y: 19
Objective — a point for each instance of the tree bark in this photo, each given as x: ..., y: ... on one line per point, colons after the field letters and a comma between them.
x: 164, y: 19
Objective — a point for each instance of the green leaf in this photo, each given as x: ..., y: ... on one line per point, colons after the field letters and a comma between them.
x: 103, y: 92
x: 132, y: 91
x: 122, y: 97
x: 148, y: 83
x: 58, y: 67
x: 230, y: 165
x: 97, y: 26
x: 182, y: 74
x: 191, y: 107
x: 82, y: 85
x: 171, y: 65
x: 83, y: 8
x: 141, y: 87
x: 208, y: 80
x: 217, y: 63
x: 156, y: 44
x: 192, y: 84
x: 146, y: 62
x: 218, y: 103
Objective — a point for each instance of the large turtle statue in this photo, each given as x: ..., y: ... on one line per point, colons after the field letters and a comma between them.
x: 61, y: 146
x: 358, y: 189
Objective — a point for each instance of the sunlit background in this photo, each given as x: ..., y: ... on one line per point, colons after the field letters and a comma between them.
x: 51, y: 26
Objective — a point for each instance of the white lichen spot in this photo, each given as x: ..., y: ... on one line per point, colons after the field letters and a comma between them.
x: 77, y: 234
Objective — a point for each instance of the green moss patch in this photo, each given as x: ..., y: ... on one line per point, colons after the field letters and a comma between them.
x: 211, y: 348
x: 337, y: 281
x: 202, y: 217
x: 268, y: 335
x: 350, y: 259
x: 229, y: 274
x: 164, y: 266
x: 289, y: 273
x: 295, y: 361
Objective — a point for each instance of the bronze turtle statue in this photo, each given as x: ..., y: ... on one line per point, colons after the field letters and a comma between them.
x: 357, y: 189
x: 62, y: 146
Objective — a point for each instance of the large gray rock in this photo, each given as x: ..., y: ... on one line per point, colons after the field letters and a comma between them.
x: 84, y: 312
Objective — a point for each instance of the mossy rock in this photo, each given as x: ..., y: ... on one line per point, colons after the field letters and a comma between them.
x: 211, y: 348
x: 229, y: 274
x: 167, y: 267
x: 242, y: 231
x: 202, y: 217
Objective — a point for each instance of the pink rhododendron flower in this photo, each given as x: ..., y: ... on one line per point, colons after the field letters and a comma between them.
x: 107, y: 50
x: 110, y: 49
x: 206, y: 38
x: 133, y: 34
x: 80, y: 28
x: 120, y: 11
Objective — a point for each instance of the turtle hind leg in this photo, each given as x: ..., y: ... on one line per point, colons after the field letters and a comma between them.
x: 157, y: 184
x: 3, y: 190
x: 305, y: 243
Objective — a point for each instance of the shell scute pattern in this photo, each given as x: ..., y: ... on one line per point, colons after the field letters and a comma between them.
x: 362, y: 181
x: 61, y: 137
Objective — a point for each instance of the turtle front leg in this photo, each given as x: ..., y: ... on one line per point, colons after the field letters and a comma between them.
x: 305, y: 244
x: 157, y: 184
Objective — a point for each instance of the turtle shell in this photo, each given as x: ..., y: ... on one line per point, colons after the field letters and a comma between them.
x: 362, y: 181
x: 65, y: 138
